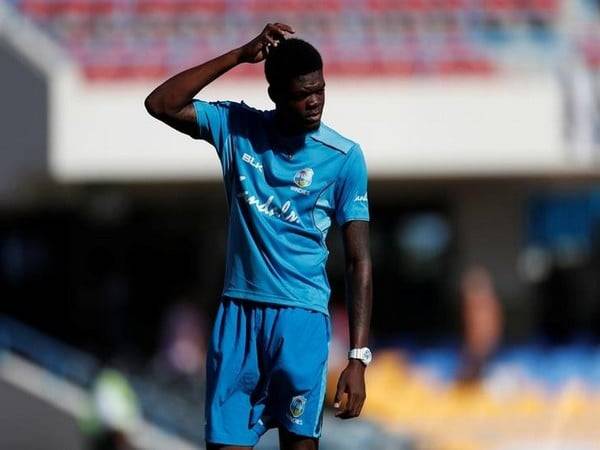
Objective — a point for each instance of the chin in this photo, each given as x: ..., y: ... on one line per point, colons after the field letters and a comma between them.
x: 313, y: 126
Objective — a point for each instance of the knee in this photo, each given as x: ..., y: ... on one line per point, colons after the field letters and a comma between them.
x: 292, y: 441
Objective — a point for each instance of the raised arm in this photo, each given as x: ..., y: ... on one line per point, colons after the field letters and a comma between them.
x: 359, y: 299
x: 171, y: 102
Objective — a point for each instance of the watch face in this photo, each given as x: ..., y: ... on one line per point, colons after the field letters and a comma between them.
x: 367, y: 356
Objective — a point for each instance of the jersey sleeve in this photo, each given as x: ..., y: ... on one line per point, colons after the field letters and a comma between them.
x: 214, y: 122
x: 351, y: 189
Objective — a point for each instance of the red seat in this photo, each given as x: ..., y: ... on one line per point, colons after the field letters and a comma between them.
x: 449, y: 5
x: 37, y: 9
x: 501, y: 5
x: 312, y: 6
x: 545, y: 6
x: 179, y: 6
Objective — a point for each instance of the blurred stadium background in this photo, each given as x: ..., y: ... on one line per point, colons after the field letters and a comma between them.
x: 480, y: 121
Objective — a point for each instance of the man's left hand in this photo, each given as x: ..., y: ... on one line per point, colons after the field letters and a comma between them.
x: 351, y: 383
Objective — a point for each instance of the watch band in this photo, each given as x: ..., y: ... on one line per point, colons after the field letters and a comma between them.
x: 363, y: 354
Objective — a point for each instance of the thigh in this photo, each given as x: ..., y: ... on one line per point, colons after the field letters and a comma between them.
x: 232, y: 377
x: 299, y: 350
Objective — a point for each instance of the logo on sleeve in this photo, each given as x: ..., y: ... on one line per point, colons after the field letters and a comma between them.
x: 297, y: 409
x: 361, y: 198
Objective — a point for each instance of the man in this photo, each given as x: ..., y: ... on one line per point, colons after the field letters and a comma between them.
x: 287, y: 177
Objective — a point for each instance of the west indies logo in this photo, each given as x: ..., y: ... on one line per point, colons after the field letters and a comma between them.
x: 303, y: 178
x: 297, y: 409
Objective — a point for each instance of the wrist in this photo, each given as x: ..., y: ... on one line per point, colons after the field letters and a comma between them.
x: 238, y: 55
x: 362, y: 354
x: 356, y: 363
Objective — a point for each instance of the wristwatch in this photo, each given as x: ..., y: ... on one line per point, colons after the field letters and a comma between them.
x: 363, y: 354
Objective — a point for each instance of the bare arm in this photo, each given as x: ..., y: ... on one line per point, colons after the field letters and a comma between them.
x: 359, y: 289
x: 358, y: 281
x: 171, y: 102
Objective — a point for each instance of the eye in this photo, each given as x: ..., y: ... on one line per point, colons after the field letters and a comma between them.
x: 301, y: 96
x: 319, y: 93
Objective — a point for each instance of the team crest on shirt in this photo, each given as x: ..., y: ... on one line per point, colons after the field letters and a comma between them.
x: 303, y: 178
x: 297, y: 409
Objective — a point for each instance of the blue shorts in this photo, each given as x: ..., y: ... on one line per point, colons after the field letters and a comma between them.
x: 266, y: 367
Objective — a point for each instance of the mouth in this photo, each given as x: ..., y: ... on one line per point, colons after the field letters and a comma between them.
x: 315, y: 117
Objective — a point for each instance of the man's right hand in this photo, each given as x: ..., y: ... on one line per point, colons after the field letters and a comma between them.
x: 258, y: 48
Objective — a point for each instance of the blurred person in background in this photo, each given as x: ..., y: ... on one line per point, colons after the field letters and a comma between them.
x: 114, y: 412
x: 183, y: 345
x: 482, y: 322
x: 287, y: 178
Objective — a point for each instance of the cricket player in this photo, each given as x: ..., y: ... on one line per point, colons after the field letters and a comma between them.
x: 288, y: 177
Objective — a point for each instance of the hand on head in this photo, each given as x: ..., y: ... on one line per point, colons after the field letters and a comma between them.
x: 258, y: 48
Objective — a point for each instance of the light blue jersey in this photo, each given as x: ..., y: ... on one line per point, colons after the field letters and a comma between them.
x: 284, y: 194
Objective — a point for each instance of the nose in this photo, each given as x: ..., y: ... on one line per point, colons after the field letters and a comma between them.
x: 312, y: 102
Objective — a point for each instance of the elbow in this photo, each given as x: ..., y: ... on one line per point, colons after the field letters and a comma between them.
x: 153, y: 107
x: 366, y: 270
x: 359, y: 274
x: 359, y: 266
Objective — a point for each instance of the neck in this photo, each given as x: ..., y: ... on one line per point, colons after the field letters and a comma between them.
x: 285, y: 126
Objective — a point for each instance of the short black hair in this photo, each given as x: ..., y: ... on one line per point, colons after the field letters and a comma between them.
x: 291, y: 58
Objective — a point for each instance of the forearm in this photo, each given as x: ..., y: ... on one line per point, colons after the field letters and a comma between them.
x: 358, y: 299
x: 179, y: 90
x: 359, y: 293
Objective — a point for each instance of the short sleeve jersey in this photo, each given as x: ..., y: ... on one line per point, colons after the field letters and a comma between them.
x: 283, y: 195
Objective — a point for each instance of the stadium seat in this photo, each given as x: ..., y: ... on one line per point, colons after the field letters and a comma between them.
x: 368, y: 37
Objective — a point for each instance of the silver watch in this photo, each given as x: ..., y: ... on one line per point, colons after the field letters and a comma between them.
x: 363, y: 354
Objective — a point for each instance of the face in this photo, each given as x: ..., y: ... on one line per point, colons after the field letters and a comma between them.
x: 301, y: 103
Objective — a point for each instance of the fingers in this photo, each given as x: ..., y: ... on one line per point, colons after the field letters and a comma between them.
x: 345, y: 412
x: 348, y: 411
x: 360, y: 401
x: 339, y: 393
x: 352, y: 384
x: 268, y: 40
x: 342, y: 389
x: 284, y: 27
x: 276, y: 32
x: 353, y: 407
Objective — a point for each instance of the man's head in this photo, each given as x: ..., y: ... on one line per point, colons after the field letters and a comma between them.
x: 294, y: 71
